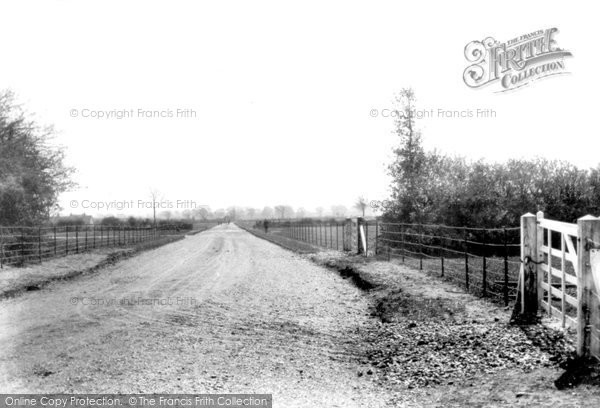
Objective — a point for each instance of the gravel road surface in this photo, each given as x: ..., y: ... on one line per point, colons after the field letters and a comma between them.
x: 220, y: 311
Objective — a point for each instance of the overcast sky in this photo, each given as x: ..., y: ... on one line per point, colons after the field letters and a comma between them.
x: 283, y: 92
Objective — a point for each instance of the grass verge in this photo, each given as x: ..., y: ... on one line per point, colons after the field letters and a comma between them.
x: 15, y: 281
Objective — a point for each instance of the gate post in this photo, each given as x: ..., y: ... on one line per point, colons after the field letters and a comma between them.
x: 540, y: 258
x: 528, y: 288
x: 360, y: 222
x: 348, y: 235
x: 588, y: 232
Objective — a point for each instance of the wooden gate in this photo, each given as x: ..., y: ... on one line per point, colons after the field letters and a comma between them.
x: 560, y: 275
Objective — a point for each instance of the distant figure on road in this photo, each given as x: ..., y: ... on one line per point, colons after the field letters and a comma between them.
x: 266, y: 225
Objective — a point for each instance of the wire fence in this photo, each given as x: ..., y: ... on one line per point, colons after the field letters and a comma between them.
x: 327, y: 234
x: 20, y: 245
x: 485, y: 261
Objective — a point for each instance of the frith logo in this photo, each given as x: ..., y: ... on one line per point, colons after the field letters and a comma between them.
x: 515, y: 63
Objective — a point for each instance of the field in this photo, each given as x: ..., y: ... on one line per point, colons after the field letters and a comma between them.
x: 21, y: 245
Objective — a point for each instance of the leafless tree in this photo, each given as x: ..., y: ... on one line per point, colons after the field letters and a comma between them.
x: 361, y: 204
x: 267, y: 212
x: 284, y: 211
x: 155, y: 196
x: 203, y: 213
x: 250, y: 212
x: 339, y: 211
x: 280, y: 211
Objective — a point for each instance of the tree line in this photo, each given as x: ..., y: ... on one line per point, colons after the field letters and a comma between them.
x: 434, y: 188
x: 32, y: 170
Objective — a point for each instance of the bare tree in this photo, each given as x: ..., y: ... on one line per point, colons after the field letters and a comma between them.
x: 320, y: 211
x: 339, y: 211
x: 202, y: 212
x: 267, y: 212
x: 155, y: 196
x: 251, y: 212
x: 289, y: 211
x: 361, y: 205
x: 283, y: 210
x: 235, y: 213
x: 300, y: 212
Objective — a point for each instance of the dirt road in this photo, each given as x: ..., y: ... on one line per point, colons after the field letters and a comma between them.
x: 220, y: 311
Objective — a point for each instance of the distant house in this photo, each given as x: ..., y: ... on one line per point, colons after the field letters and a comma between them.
x: 73, y: 219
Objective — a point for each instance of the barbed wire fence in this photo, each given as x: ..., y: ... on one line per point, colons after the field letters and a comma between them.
x: 20, y: 245
x: 484, y: 261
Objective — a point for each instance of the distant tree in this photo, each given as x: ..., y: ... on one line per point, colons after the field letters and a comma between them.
x: 267, y: 212
x: 361, y: 205
x: 301, y: 212
x: 32, y: 170
x: 250, y: 212
x: 110, y: 220
x: 156, y: 197
x: 320, y: 211
x: 339, y: 211
x: 70, y: 221
x: 280, y: 210
x: 289, y: 211
x: 202, y: 213
x: 235, y: 213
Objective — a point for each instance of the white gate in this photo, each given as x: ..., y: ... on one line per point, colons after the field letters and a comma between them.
x: 560, y: 274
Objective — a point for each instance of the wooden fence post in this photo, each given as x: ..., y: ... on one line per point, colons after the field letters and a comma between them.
x: 22, y: 246
x: 505, y: 244
x: 588, y: 232
x: 403, y: 247
x: 40, y: 244
x: 539, y: 257
x: 594, y: 279
x: 466, y: 246
x: 1, y: 249
x: 484, y: 275
x: 348, y: 235
x: 331, y: 235
x: 359, y: 236
x: 366, y: 235
x: 66, y: 240
x: 420, y: 239
x: 376, y: 236
x: 528, y: 294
